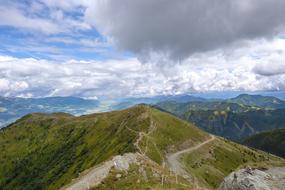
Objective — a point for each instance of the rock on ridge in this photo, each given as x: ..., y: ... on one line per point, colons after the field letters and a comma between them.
x: 255, y: 179
x: 97, y: 174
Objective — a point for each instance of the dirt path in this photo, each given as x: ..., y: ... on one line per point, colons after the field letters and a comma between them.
x: 97, y: 174
x: 152, y: 128
x: 92, y: 178
x: 176, y: 166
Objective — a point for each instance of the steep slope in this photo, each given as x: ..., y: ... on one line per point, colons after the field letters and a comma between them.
x: 211, y: 163
x: 259, y: 101
x: 46, y: 151
x: 237, y: 126
x: 229, y: 120
x: 53, y: 151
x: 271, y: 141
x: 253, y: 178
x: 173, y: 159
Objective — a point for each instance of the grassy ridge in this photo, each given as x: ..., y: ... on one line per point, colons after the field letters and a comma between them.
x: 46, y: 151
x: 42, y: 151
x: 170, y: 135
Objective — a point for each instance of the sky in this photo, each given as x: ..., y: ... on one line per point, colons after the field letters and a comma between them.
x: 114, y: 49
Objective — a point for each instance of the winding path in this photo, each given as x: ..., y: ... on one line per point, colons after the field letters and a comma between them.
x: 176, y: 166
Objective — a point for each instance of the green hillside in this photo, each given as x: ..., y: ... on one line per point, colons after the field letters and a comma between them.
x: 237, y: 126
x: 42, y: 151
x: 230, y: 120
x: 216, y: 160
x: 180, y: 108
x: 259, y: 101
x: 271, y: 141
x: 47, y: 151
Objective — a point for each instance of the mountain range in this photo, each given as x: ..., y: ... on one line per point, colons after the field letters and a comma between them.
x: 235, y: 119
x: 269, y: 102
x: 137, y: 148
x: 12, y: 109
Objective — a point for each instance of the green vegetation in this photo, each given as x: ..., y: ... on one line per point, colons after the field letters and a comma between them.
x: 268, y: 102
x: 229, y: 120
x: 271, y: 141
x: 181, y: 108
x: 237, y: 126
x: 214, y: 161
x: 170, y: 135
x: 144, y: 178
x: 45, y: 151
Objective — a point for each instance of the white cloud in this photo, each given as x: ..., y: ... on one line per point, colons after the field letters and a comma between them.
x: 212, y: 71
x: 16, y: 86
x: 274, y: 64
x: 66, y: 5
x: 198, y: 28
x: 46, y: 17
x: 16, y: 18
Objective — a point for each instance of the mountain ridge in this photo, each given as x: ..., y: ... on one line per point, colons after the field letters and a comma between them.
x: 47, y: 151
x: 269, y: 102
x: 231, y: 119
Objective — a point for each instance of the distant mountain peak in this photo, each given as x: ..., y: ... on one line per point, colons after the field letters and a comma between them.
x: 259, y: 101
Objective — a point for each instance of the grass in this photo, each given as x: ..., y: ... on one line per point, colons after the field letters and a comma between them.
x: 143, y: 178
x: 229, y: 120
x: 214, y: 161
x: 171, y: 134
x: 46, y: 151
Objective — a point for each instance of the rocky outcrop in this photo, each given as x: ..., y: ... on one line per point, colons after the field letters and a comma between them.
x: 96, y: 175
x: 123, y: 162
x: 255, y: 179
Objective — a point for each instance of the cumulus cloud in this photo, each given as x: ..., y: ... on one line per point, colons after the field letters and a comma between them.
x: 195, y: 32
x: 274, y: 65
x: 184, y: 27
x: 214, y: 71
